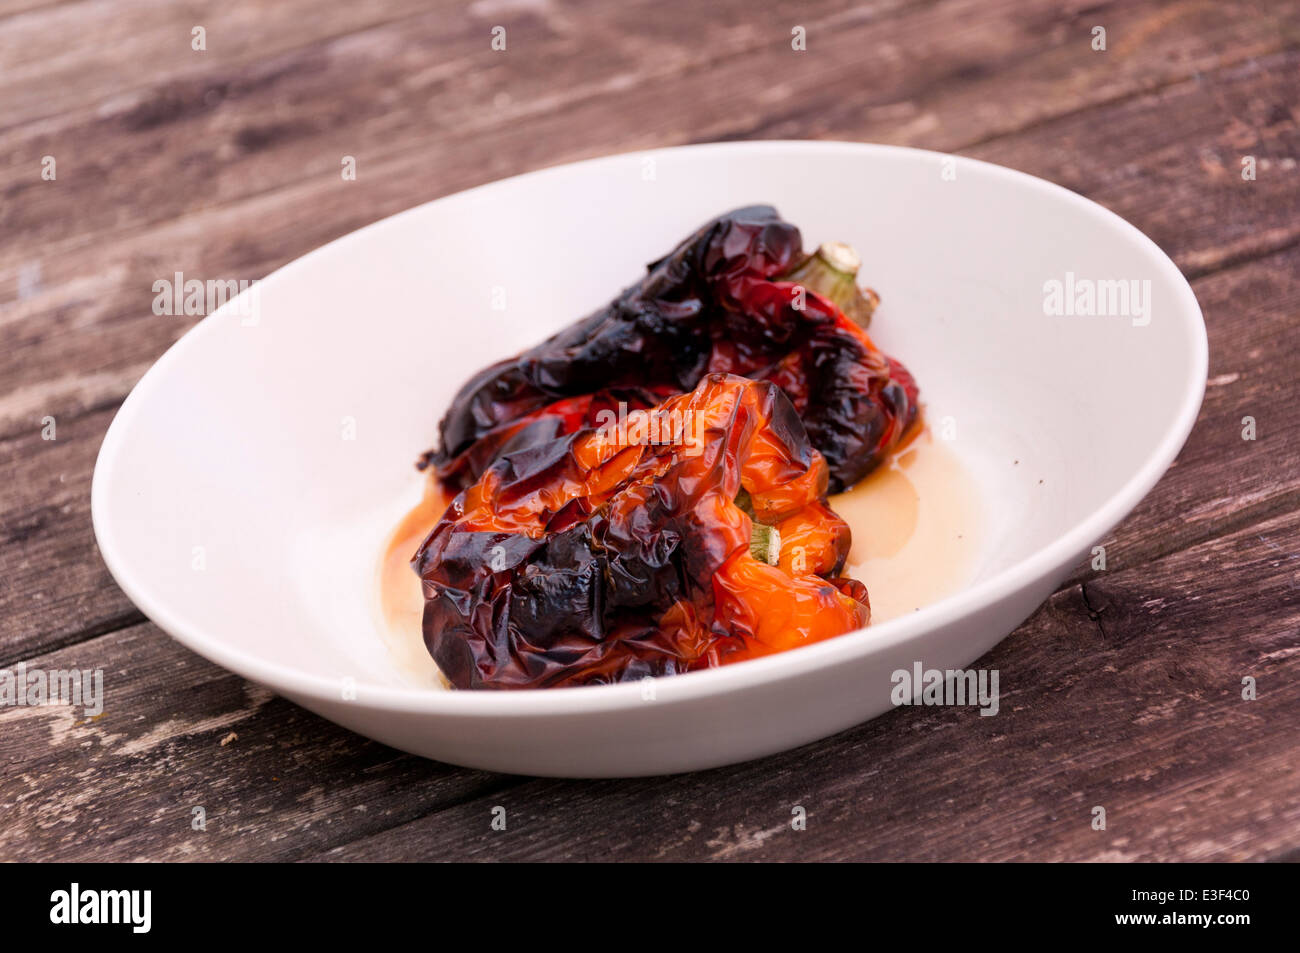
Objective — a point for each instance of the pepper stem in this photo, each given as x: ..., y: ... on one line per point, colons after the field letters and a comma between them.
x: 764, y: 540
x: 765, y: 544
x: 832, y: 272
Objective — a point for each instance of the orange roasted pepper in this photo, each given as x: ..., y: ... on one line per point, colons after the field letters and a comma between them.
x: 687, y: 536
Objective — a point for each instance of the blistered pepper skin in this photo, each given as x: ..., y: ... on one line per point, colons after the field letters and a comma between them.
x: 592, y: 558
x: 716, y: 304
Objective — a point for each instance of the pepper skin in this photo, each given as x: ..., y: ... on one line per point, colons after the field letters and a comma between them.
x: 596, y: 558
x: 716, y: 304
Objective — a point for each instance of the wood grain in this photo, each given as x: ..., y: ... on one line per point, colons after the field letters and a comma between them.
x: 1123, y: 690
x: 178, y: 733
x: 57, y: 590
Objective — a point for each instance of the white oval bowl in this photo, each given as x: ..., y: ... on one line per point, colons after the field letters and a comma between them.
x: 233, y: 441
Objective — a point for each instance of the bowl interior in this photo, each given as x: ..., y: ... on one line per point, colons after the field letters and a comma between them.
x: 249, y: 483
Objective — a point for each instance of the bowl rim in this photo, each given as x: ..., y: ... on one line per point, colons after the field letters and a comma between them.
x: 691, y: 685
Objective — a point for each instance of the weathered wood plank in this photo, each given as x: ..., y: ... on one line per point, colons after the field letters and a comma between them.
x: 223, y: 133
x: 1139, y: 712
x: 64, y: 56
x: 178, y: 733
x: 56, y: 588
x: 1181, y: 182
x: 221, y: 136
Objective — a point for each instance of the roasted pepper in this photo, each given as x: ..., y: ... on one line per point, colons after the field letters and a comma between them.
x: 738, y: 297
x: 603, y: 555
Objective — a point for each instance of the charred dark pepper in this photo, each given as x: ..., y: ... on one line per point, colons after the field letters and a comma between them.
x: 695, y: 536
x: 738, y: 297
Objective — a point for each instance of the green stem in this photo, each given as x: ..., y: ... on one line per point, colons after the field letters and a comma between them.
x: 832, y: 272
x: 765, y: 544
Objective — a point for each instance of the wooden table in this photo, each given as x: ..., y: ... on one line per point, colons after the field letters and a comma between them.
x: 1124, y: 690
